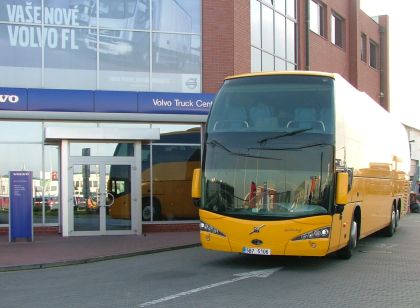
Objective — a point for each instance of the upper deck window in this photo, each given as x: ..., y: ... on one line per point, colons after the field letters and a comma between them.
x: 274, y: 104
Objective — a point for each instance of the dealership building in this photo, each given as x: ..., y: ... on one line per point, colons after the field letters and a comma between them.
x: 105, y: 102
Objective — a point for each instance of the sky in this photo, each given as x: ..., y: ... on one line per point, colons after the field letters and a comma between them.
x: 404, y: 49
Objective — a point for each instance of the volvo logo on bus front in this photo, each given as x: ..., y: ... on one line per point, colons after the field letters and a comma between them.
x: 4, y: 98
x: 256, y: 229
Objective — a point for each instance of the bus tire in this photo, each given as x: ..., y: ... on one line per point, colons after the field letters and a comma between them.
x: 147, y: 209
x: 347, y: 251
x: 390, y: 229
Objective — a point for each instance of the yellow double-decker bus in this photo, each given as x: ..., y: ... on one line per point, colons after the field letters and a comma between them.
x: 299, y: 163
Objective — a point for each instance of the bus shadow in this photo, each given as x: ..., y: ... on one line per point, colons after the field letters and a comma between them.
x: 292, y: 263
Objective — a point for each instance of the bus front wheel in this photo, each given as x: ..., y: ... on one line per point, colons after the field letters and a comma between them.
x: 346, y: 252
x: 146, y: 213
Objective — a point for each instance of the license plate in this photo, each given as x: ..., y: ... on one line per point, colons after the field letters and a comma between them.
x: 256, y: 251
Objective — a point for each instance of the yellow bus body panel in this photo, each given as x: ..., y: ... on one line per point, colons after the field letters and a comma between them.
x: 274, y: 235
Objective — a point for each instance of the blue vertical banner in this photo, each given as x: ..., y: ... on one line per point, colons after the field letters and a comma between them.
x: 20, y: 211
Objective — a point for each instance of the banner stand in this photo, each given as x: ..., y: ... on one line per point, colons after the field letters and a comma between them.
x: 20, y: 208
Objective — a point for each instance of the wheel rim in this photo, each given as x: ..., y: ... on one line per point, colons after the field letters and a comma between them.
x: 393, y: 220
x: 146, y: 212
x: 353, y: 235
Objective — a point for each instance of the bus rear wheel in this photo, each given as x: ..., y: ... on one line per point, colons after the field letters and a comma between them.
x: 347, y: 251
x: 390, y: 229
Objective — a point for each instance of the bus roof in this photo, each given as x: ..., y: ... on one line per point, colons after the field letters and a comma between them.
x: 302, y: 73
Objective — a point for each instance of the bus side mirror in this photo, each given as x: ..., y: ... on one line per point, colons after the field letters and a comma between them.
x: 342, y: 186
x: 196, y: 187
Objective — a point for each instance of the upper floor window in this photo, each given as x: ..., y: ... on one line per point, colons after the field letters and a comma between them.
x: 337, y: 30
x: 317, y: 17
x: 273, y: 35
x: 363, y: 47
x: 373, y: 59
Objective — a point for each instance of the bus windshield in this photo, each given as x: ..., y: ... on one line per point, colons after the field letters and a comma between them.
x: 269, y: 148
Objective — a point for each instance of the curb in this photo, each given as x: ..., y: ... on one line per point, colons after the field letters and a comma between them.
x: 14, y: 268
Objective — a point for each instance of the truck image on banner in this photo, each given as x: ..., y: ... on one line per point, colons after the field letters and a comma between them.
x: 135, y: 15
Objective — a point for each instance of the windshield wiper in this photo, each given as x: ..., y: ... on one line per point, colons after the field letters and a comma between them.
x: 292, y: 148
x: 292, y: 133
x: 222, y: 146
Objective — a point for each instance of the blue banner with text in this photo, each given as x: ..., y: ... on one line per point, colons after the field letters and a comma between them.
x: 20, y: 212
x: 58, y: 100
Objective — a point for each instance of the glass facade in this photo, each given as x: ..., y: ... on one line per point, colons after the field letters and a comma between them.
x: 167, y: 167
x: 133, y: 45
x: 16, y: 141
x: 273, y: 35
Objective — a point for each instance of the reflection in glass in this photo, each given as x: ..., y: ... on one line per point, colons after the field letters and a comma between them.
x: 177, y: 16
x: 280, y: 5
x: 80, y: 65
x: 118, y: 197
x: 290, y: 6
x: 21, y: 157
x: 291, y: 38
x: 101, y: 149
x: 46, y: 202
x: 256, y: 23
x: 20, y: 63
x: 316, y: 15
x: 70, y: 124
x: 270, y: 184
x: 280, y: 35
x: 122, y: 30
x: 272, y: 33
x: 291, y: 66
x: 12, y: 131
x: 175, y: 133
x: 284, y: 166
x: 125, y: 125
x: 173, y: 159
x: 123, y: 14
x: 51, y: 183
x: 267, y: 29
x: 176, y: 53
x: 86, y: 194
x: 15, y: 157
x: 148, y: 212
x: 5, y: 6
x: 255, y: 60
x: 173, y: 166
x: 280, y: 64
x: 267, y: 62
x: 4, y: 198
x: 133, y: 45
x: 124, y: 60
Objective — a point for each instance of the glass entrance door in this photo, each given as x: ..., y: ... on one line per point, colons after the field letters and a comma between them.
x: 87, y: 184
x: 102, y: 200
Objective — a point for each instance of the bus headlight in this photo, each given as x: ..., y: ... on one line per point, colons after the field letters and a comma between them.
x: 207, y: 228
x: 318, y: 233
